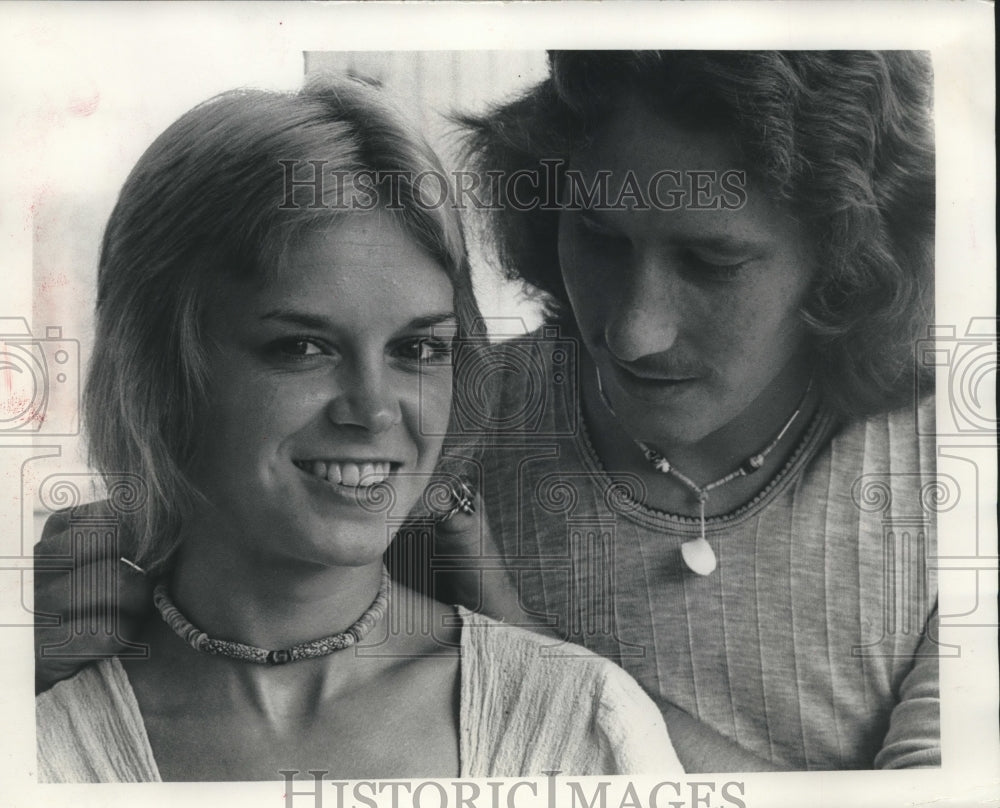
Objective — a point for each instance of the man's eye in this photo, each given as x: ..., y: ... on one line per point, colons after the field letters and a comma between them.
x: 597, y: 231
x: 717, y: 267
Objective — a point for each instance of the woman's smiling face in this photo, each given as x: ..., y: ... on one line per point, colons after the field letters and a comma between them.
x: 690, y: 315
x: 327, y: 378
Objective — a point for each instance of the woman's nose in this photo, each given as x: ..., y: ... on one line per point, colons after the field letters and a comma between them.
x: 367, y: 400
x: 644, y: 314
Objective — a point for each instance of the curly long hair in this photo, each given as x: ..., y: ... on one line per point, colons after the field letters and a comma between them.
x: 842, y: 138
x: 209, y: 201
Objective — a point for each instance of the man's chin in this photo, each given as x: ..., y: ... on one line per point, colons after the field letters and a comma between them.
x: 665, y: 429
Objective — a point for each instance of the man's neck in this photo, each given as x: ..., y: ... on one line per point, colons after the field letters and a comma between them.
x: 709, y: 459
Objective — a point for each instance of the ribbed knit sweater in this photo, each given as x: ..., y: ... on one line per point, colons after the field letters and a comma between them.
x: 812, y: 643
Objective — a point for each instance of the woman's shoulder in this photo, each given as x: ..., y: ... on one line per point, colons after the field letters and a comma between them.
x: 515, y: 659
x: 485, y: 636
x: 89, y: 729
x: 100, y: 681
x: 585, y: 714
x: 59, y: 522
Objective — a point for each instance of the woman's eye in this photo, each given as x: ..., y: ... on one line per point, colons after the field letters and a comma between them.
x: 427, y: 350
x: 302, y: 347
x: 298, y: 348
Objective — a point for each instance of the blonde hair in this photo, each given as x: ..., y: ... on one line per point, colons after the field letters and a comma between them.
x: 207, y: 202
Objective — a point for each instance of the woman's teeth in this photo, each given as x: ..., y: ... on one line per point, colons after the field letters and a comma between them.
x: 355, y: 475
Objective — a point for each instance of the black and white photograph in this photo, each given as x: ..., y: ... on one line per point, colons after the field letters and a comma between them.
x: 527, y: 404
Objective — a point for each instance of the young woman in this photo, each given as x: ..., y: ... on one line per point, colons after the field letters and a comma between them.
x: 273, y: 363
x: 730, y: 490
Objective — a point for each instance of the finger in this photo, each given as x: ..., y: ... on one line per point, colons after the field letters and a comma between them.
x: 57, y: 536
x: 55, y: 659
x: 460, y: 527
x: 132, y: 597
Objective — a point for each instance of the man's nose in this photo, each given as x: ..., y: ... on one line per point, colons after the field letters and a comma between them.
x: 645, y: 314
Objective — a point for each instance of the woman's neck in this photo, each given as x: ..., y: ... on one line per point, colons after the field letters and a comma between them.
x: 233, y: 592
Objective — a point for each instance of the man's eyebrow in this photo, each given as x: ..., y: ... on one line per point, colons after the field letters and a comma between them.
x: 707, y: 241
x: 722, y: 243
x: 596, y: 216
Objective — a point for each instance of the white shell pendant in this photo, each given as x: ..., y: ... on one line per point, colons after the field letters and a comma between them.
x: 699, y: 556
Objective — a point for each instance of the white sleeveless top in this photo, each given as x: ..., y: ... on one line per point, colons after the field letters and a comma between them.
x: 528, y: 705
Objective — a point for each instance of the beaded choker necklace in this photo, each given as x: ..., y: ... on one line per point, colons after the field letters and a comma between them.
x: 697, y: 553
x: 324, y: 646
